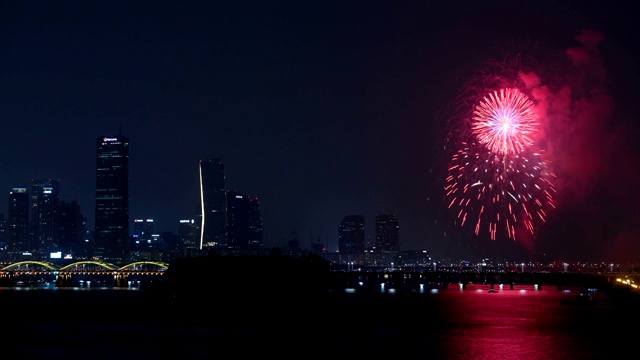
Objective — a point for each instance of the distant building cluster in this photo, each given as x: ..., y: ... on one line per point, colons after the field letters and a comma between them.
x: 39, y: 225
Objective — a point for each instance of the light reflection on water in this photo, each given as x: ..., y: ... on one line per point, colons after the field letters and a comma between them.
x: 440, y: 324
x: 521, y: 324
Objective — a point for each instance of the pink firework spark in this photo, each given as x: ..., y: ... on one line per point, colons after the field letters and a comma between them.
x: 505, y: 121
x: 499, y: 194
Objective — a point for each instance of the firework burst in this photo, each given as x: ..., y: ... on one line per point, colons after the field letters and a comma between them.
x: 505, y: 121
x: 499, y: 194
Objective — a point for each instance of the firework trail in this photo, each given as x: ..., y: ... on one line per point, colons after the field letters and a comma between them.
x: 495, y: 193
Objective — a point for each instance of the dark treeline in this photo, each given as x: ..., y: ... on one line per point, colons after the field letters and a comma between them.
x: 230, y: 277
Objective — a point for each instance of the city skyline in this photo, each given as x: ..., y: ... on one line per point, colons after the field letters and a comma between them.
x: 325, y: 109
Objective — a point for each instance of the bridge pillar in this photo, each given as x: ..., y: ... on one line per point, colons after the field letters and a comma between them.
x: 63, y: 280
x: 121, y: 280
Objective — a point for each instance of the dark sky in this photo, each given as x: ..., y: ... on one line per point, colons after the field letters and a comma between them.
x: 319, y: 108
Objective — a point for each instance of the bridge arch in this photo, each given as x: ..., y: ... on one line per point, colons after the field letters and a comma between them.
x: 18, y: 265
x: 135, y: 265
x: 101, y: 264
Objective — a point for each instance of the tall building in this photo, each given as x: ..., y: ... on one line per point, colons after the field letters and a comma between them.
x: 18, y: 223
x: 351, y: 235
x: 351, y: 239
x: 4, y: 251
x: 387, y: 238
x: 189, y: 234
x: 244, y: 224
x: 72, y: 230
x: 256, y: 238
x: 213, y: 203
x: 142, y: 229
x: 141, y: 239
x: 111, y: 235
x: 45, y: 203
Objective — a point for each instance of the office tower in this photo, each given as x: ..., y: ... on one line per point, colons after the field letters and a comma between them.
x: 111, y: 235
x: 387, y: 237
x: 142, y: 229
x: 189, y: 234
x: 45, y: 201
x: 141, y: 241
x: 72, y: 231
x: 18, y: 223
x: 351, y: 235
x: 255, y: 225
x: 351, y: 239
x: 4, y: 244
x: 244, y: 223
x: 213, y: 203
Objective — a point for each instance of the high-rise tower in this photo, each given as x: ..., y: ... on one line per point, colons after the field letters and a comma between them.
x: 244, y: 224
x: 18, y: 223
x: 351, y: 235
x: 111, y: 236
x: 45, y: 203
x: 213, y: 203
x: 387, y: 234
x: 351, y: 239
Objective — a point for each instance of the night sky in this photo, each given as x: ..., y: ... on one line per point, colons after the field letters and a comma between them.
x: 323, y: 109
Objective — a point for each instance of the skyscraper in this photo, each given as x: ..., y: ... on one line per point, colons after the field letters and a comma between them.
x: 351, y: 235
x: 111, y: 235
x: 189, y: 233
x: 213, y: 203
x: 244, y: 223
x: 387, y: 237
x: 72, y: 230
x: 18, y: 223
x: 351, y: 239
x: 45, y: 203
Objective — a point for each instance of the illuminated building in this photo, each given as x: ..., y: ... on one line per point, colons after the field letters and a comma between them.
x: 142, y: 240
x: 72, y: 231
x: 18, y: 223
x: 213, y: 203
x: 111, y: 235
x: 351, y: 239
x: 244, y: 224
x: 45, y: 203
x: 387, y: 238
x: 189, y: 234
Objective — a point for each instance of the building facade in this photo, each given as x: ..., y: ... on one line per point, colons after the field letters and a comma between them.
x: 18, y: 229
x: 189, y: 235
x: 71, y: 231
x: 111, y: 234
x: 45, y: 204
x: 244, y: 224
x: 387, y: 239
x: 213, y: 202
x: 351, y: 239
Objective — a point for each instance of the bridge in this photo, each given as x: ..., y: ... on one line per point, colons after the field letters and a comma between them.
x: 81, y: 272
x: 413, y: 281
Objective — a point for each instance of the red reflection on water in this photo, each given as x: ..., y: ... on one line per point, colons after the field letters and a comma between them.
x: 516, y: 324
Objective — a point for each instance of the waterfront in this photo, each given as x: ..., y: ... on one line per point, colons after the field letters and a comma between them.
x: 443, y: 324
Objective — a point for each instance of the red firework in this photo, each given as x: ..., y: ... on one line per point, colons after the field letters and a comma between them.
x: 499, y: 194
x: 505, y: 121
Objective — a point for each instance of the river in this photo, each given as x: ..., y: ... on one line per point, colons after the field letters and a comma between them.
x: 108, y: 323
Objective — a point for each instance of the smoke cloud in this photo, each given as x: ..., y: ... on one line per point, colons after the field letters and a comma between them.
x: 589, y: 142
